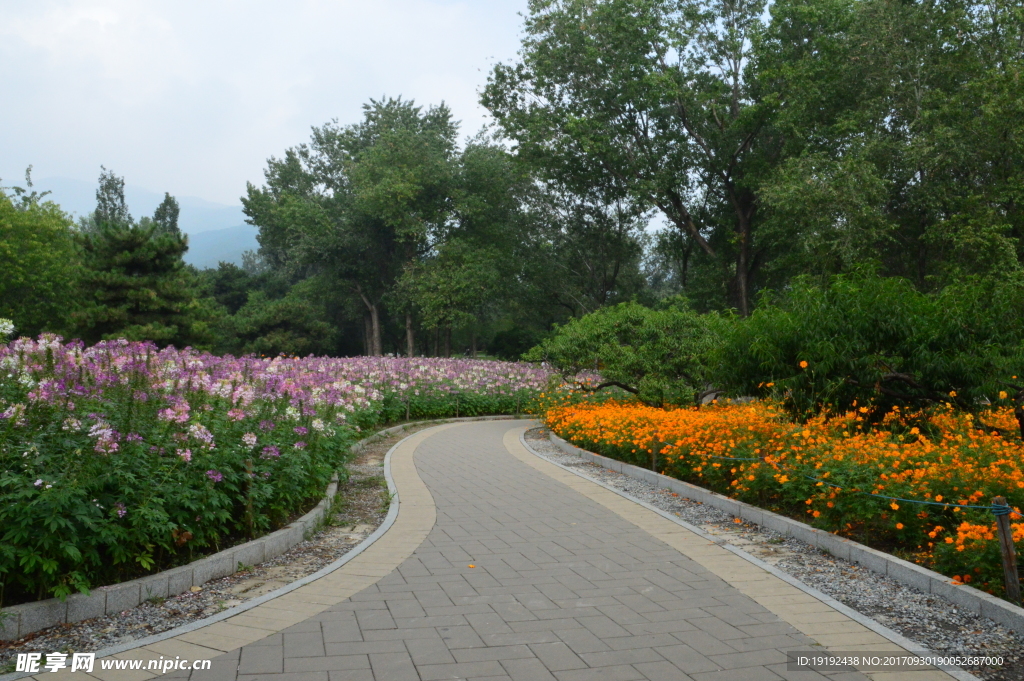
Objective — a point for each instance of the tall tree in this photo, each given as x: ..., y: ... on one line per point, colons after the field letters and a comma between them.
x: 111, y: 208
x: 650, y: 100
x: 359, y: 202
x: 166, y: 215
x: 39, y: 262
x: 903, y: 138
x: 138, y: 288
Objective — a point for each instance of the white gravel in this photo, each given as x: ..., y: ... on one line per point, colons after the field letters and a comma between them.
x: 923, y: 618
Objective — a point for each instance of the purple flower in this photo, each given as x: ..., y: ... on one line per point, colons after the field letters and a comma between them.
x: 270, y: 451
x: 301, y: 430
x: 133, y: 437
x: 266, y: 425
x: 121, y: 510
x: 300, y: 445
x: 216, y: 476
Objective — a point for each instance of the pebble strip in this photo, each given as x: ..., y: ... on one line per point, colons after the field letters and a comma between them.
x: 923, y: 618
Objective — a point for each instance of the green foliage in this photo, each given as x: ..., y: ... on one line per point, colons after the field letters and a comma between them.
x: 658, y: 355
x: 166, y: 215
x: 111, y: 208
x: 513, y: 343
x: 137, y: 287
x: 878, y: 342
x: 39, y: 263
x: 293, y: 324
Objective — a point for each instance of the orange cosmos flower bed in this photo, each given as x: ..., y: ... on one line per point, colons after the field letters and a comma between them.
x: 916, y: 484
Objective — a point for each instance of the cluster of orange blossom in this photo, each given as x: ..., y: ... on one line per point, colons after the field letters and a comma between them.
x: 916, y: 483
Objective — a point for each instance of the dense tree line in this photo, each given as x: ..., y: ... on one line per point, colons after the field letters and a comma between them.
x: 687, y: 154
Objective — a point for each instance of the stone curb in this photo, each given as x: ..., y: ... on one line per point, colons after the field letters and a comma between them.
x: 927, y: 581
x: 27, y: 618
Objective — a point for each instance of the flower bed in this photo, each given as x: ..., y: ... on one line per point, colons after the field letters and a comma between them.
x: 122, y: 459
x: 918, y: 484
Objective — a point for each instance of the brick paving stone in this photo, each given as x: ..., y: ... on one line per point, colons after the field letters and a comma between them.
x: 563, y: 589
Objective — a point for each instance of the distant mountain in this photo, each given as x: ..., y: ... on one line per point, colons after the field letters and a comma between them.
x: 206, y: 249
x: 197, y: 215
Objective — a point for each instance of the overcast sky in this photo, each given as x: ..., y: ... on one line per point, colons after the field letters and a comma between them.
x: 192, y: 97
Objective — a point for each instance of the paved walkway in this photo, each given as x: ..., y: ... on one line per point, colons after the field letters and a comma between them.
x: 504, y: 566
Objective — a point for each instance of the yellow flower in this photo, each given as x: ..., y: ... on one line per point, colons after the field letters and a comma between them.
x: 1002, y: 394
x: 894, y: 506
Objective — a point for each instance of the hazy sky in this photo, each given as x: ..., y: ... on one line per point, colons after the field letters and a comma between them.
x: 192, y: 97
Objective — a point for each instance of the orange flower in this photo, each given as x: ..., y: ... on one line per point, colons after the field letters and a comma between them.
x: 803, y: 364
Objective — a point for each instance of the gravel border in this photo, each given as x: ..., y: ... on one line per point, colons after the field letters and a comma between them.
x: 925, y: 619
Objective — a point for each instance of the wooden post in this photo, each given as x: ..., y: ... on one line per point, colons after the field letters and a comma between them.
x: 655, y: 452
x: 1010, y: 577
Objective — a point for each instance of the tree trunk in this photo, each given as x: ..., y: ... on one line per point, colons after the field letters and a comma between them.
x: 472, y: 343
x: 374, y: 346
x: 447, y: 341
x: 410, y: 340
x: 367, y: 335
x: 378, y: 348
x: 743, y: 268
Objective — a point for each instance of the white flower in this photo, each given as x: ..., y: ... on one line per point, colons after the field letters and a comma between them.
x: 6, y: 327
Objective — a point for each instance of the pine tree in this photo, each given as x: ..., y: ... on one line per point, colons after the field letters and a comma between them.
x: 138, y: 287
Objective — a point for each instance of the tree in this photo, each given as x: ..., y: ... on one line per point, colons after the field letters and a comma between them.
x: 39, y: 262
x: 137, y: 287
x: 450, y: 288
x: 166, y: 215
x: 359, y: 202
x: 903, y: 140
x: 294, y: 324
x: 661, y: 356
x: 111, y: 208
x: 586, y: 253
x: 653, y: 100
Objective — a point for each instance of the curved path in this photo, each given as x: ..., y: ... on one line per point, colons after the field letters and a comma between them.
x: 502, y: 565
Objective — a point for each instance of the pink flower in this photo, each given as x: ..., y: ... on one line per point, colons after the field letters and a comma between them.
x: 216, y: 476
x: 249, y: 440
x: 185, y: 454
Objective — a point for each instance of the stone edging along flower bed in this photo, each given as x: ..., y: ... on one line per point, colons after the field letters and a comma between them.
x: 26, y: 618
x: 927, y: 581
